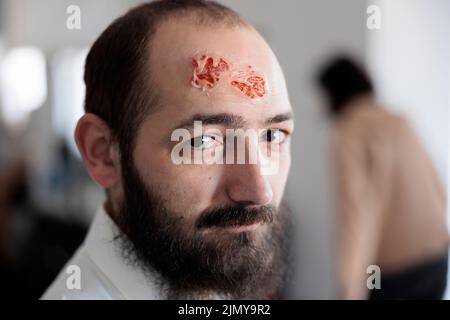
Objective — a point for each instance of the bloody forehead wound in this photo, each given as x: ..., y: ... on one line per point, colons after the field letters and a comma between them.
x: 208, y: 71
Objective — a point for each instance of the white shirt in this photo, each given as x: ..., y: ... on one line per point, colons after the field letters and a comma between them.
x: 104, y: 274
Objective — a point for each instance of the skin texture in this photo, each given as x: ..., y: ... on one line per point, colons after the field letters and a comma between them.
x: 192, y: 189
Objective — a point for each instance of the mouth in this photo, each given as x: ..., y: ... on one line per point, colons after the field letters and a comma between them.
x: 243, y: 228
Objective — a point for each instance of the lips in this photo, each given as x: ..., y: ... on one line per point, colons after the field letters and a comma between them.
x: 243, y: 228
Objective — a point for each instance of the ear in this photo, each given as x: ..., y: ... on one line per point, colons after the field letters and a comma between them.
x: 99, y: 153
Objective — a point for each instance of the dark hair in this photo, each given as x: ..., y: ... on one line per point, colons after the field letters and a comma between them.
x: 343, y: 79
x: 117, y: 73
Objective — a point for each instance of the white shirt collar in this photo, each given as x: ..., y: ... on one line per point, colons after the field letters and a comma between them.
x: 128, y: 281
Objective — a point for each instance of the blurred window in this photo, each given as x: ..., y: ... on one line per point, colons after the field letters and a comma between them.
x: 23, y: 84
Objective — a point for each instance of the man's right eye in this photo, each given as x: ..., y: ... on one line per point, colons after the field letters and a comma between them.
x: 202, y: 142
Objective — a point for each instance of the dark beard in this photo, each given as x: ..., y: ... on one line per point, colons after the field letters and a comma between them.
x: 191, y: 263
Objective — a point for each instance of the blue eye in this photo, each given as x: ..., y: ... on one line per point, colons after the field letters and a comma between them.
x: 274, y: 136
x: 202, y: 142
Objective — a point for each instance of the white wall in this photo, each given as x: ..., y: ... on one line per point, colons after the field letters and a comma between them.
x: 43, y: 23
x: 410, y: 60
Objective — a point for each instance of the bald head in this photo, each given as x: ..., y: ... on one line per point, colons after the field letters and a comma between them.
x: 217, y: 64
x: 117, y: 72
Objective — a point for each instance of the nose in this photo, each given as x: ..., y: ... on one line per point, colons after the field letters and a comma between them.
x: 247, y: 185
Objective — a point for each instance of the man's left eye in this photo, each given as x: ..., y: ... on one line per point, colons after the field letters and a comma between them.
x: 274, y: 136
x: 202, y: 142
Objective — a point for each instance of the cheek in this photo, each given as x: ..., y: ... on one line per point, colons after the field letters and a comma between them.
x: 194, y: 185
x: 187, y: 188
x: 193, y: 190
x: 278, y: 180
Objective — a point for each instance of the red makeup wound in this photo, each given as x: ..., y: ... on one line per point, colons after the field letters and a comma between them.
x: 208, y: 71
x: 252, y: 87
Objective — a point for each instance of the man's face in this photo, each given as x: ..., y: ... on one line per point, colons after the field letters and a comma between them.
x: 212, y: 215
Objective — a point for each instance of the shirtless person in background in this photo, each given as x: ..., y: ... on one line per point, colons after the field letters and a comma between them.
x: 392, y: 206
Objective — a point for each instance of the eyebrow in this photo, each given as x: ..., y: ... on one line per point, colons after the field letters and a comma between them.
x: 282, y: 117
x: 230, y: 120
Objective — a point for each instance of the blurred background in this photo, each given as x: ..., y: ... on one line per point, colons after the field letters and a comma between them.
x: 46, y: 197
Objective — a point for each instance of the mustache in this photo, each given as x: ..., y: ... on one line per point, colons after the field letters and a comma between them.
x: 233, y: 216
